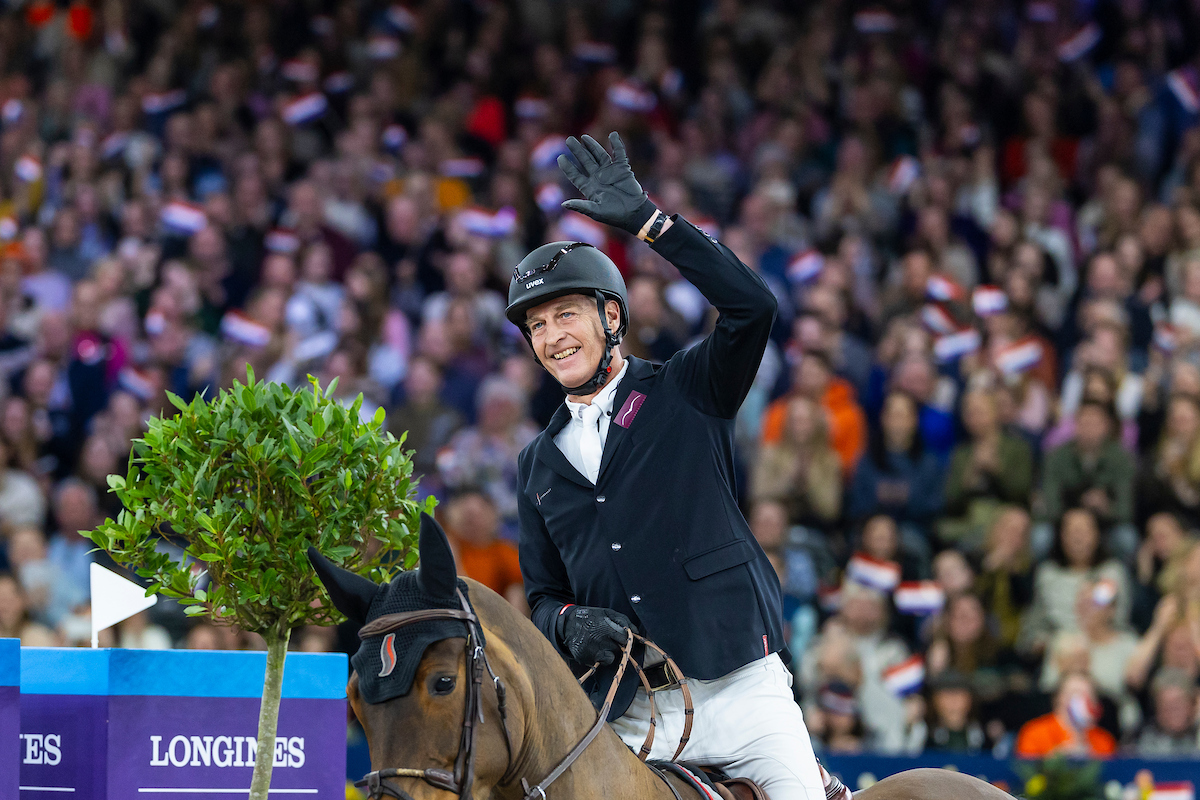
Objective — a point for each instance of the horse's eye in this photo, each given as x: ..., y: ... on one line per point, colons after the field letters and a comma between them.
x: 443, y: 685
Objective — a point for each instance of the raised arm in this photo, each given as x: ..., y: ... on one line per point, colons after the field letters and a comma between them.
x: 717, y: 373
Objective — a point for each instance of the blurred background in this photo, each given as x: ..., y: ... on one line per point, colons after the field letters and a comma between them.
x: 973, y: 447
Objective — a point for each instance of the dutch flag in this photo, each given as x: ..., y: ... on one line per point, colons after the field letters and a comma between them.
x: 1080, y: 44
x: 546, y: 152
x: 631, y: 97
x: 939, y: 287
x: 394, y: 137
x: 871, y: 572
x: 805, y: 267
x: 1176, y: 790
x: 1165, y: 337
x: 531, y: 108
x: 163, y: 102
x: 28, y: 168
x: 906, y: 677
x: 903, y: 174
x: 484, y: 223
x: 183, y: 217
x: 989, y: 300
x: 280, y: 240
x: 919, y: 597
x: 238, y: 327
x: 1019, y: 357
x: 579, y: 228
x: 1183, y: 87
x: 549, y: 198
x: 935, y: 318
x: 956, y: 345
x: 305, y: 108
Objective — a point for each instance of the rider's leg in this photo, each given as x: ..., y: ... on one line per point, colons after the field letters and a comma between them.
x: 746, y: 723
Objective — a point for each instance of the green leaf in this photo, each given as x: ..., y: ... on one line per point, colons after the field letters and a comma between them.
x: 177, y: 401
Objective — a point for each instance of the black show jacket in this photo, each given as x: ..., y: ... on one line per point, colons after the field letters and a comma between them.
x: 660, y: 537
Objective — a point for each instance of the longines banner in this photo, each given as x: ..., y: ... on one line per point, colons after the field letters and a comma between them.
x: 10, y: 716
x: 124, y: 724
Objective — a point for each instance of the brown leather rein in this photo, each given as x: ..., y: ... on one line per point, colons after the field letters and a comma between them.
x: 463, y: 777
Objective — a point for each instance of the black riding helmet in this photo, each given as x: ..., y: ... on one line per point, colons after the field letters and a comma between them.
x: 562, y: 268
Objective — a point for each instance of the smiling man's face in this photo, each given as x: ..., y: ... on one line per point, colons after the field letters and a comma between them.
x: 567, y: 337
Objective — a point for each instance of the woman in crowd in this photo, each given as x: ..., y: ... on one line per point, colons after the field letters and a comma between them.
x: 802, y: 471
x: 1077, y: 558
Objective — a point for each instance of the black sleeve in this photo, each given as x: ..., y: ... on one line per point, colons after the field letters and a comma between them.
x: 547, y: 587
x: 717, y: 373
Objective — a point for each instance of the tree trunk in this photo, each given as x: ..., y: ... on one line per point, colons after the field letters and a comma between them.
x: 268, y: 713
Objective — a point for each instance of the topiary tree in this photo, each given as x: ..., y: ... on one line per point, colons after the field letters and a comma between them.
x: 247, y: 482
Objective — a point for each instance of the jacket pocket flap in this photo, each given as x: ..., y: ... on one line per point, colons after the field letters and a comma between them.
x: 719, y: 558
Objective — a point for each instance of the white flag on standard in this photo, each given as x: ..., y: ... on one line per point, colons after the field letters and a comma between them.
x: 114, y: 598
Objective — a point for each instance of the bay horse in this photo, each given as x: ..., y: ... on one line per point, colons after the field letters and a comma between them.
x: 507, y: 734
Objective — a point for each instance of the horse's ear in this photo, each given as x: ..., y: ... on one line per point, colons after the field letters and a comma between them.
x: 437, y: 575
x: 350, y: 592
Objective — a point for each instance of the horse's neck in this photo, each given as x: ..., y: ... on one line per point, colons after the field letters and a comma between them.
x: 556, y: 715
x: 606, y: 769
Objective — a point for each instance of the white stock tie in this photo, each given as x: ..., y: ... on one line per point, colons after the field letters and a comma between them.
x: 590, y: 447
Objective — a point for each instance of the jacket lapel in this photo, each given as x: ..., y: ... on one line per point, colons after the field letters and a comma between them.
x: 631, y: 393
x: 549, y: 454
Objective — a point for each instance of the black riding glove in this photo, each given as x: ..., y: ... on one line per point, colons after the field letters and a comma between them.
x: 593, y: 634
x: 614, y: 196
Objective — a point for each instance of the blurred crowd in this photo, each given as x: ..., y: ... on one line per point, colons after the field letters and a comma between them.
x: 973, y: 447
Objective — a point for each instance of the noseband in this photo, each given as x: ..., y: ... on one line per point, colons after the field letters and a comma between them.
x: 463, y: 777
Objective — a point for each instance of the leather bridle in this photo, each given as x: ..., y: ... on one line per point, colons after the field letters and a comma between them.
x: 463, y: 777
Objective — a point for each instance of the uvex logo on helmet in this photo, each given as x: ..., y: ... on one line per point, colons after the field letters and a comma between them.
x: 532, y: 284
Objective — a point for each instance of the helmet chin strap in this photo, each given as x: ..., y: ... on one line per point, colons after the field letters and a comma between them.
x: 611, y: 340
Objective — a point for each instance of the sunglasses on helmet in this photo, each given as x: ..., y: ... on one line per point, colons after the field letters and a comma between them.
x: 549, y: 265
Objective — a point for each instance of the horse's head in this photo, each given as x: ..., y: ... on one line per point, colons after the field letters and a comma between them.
x: 421, y: 682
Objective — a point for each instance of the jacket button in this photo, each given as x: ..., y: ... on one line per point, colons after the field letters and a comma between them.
x: 616, y: 546
x: 637, y: 598
x: 600, y: 499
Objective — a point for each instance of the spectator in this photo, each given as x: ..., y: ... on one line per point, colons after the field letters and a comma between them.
x: 1172, y: 481
x: 485, y: 455
x: 1078, y: 558
x: 1094, y: 471
x: 1173, y: 730
x: 429, y: 423
x: 1098, y: 649
x: 801, y: 470
x: 813, y: 377
x: 897, y: 476
x: 990, y: 469
x: 963, y: 644
x: 1005, y: 582
x: 21, y: 500
x: 953, y: 726
x: 1070, y: 728
x: 14, y: 617
x: 70, y: 553
x: 1161, y: 557
x: 482, y: 555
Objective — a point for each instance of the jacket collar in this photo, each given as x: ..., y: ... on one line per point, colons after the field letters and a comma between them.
x: 638, y: 375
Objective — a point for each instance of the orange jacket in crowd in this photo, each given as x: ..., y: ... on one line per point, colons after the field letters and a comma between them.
x: 495, y: 566
x: 1045, y: 735
x: 847, y: 423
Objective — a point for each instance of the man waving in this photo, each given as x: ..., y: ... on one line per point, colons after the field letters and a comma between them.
x: 628, y: 517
